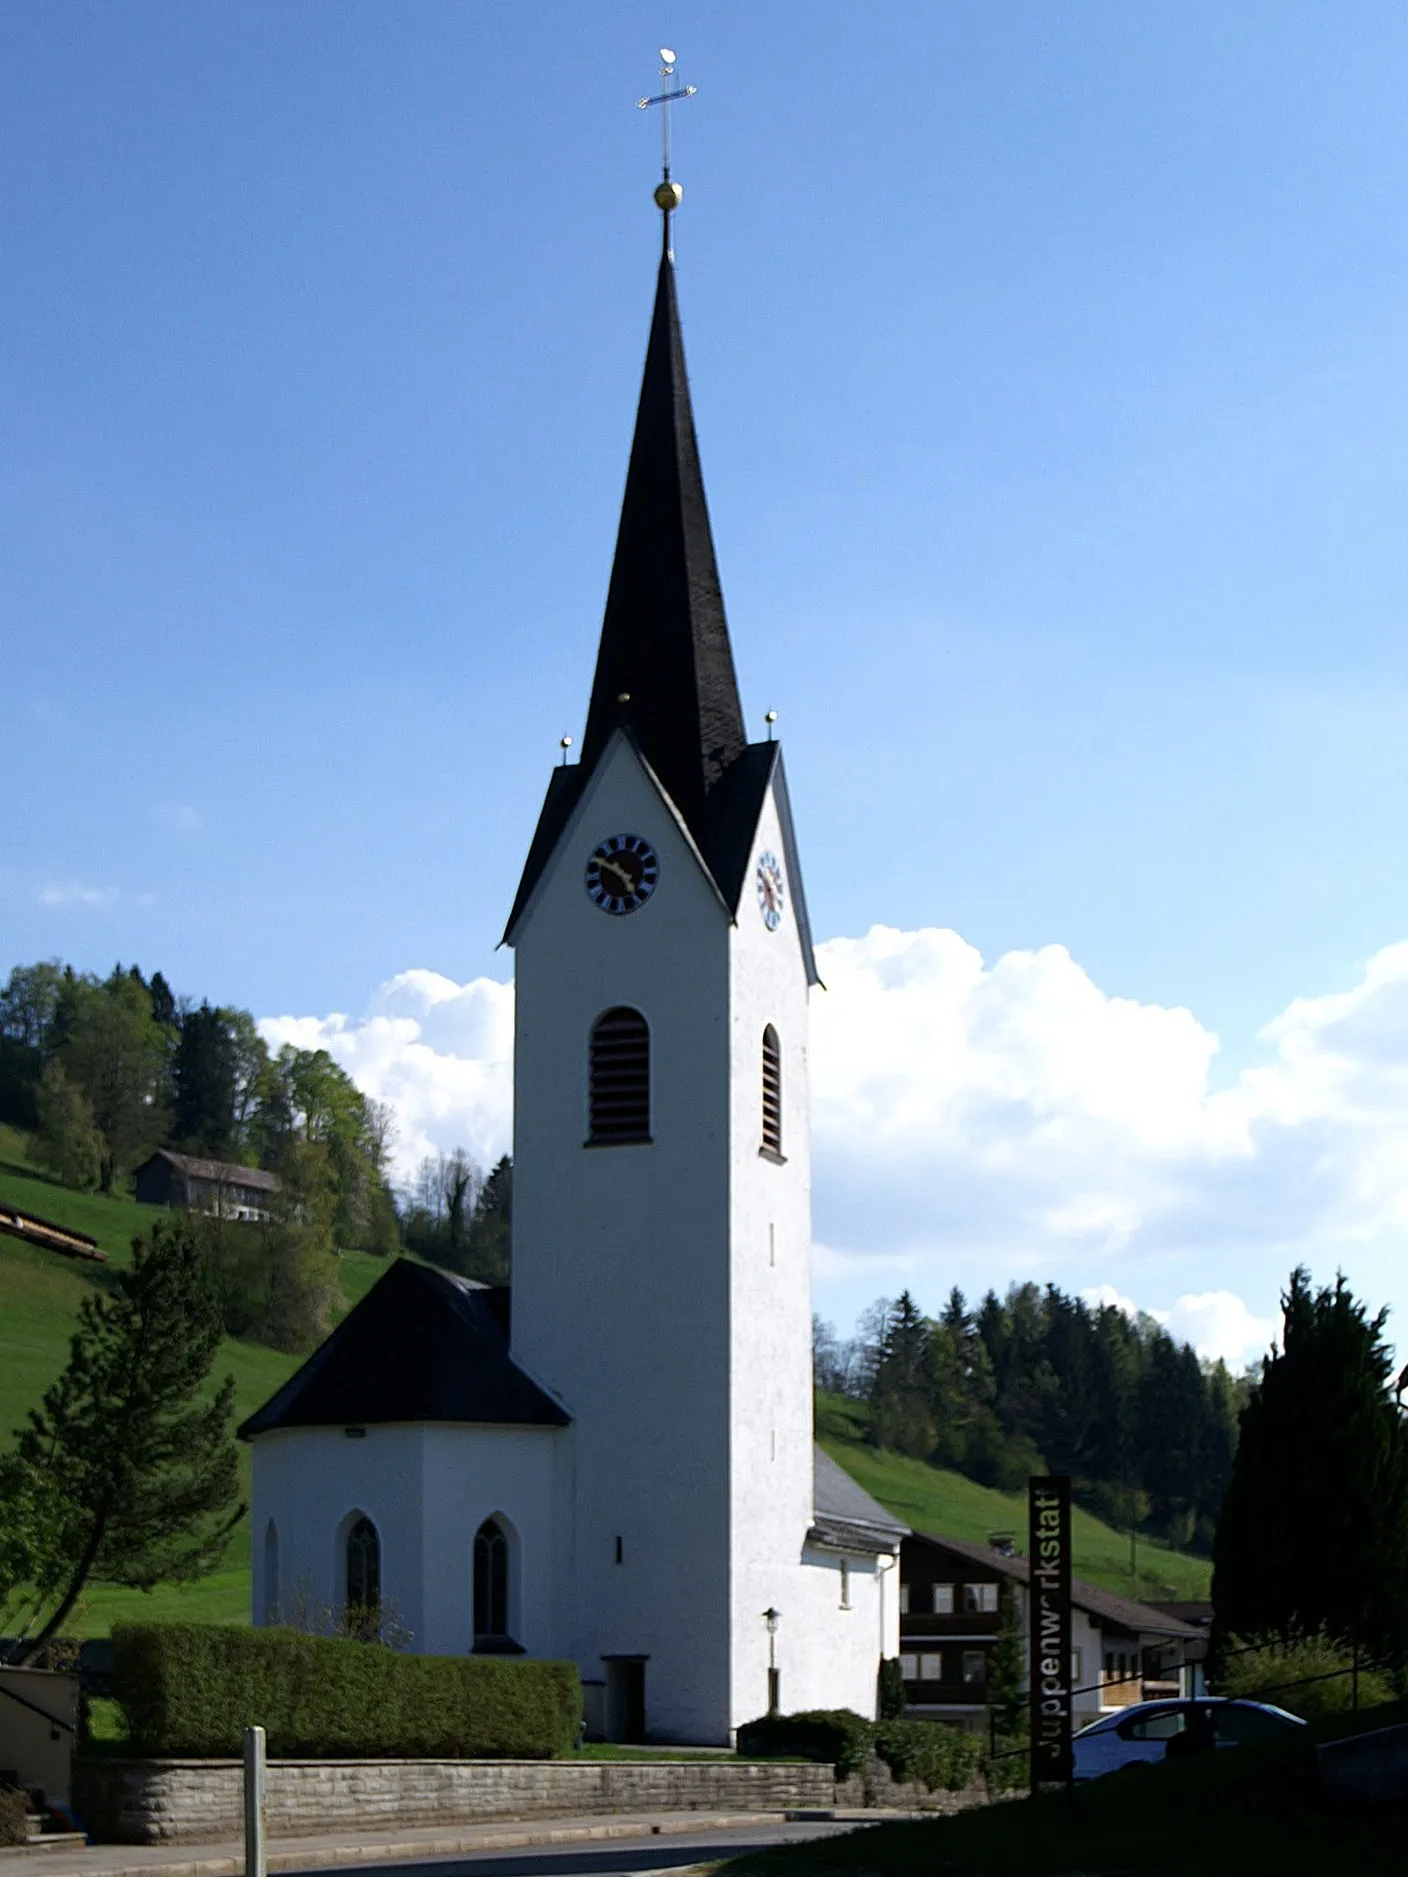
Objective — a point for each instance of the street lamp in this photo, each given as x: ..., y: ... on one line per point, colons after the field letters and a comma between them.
x: 772, y: 1618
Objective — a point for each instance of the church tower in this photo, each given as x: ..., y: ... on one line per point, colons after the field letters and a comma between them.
x: 616, y: 1465
x: 662, y: 1203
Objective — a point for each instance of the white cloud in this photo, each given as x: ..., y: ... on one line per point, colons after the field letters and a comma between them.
x: 978, y: 1122
x: 1216, y: 1322
x: 441, y: 1053
x: 75, y: 893
x: 182, y: 817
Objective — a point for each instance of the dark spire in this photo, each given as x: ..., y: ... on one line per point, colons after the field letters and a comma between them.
x: 664, y: 640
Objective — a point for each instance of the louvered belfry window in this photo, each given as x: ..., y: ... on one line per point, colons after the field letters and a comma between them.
x: 772, y: 1091
x: 620, y: 1078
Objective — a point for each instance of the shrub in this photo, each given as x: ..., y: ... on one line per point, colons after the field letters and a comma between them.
x: 891, y: 1703
x: 189, y: 1690
x: 1258, y: 1668
x: 14, y: 1807
x: 833, y: 1736
x: 927, y: 1751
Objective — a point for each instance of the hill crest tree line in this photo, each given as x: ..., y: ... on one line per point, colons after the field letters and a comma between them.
x: 103, y: 1071
x: 1039, y: 1381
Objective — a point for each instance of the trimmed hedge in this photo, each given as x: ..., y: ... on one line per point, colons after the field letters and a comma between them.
x: 833, y: 1736
x: 927, y: 1751
x: 189, y: 1691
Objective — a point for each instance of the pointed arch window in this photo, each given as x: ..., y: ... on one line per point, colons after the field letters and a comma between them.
x: 772, y: 1092
x: 490, y: 1583
x: 363, y: 1573
x: 619, y: 1078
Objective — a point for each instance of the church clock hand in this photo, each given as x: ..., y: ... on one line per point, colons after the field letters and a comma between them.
x: 614, y: 866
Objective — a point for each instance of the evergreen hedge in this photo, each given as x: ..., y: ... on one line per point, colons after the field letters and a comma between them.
x: 925, y: 1751
x: 189, y: 1690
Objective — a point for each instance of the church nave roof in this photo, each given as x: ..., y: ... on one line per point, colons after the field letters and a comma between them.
x: 420, y: 1346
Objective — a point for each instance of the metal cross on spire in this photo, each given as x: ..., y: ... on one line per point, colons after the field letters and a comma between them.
x: 665, y: 99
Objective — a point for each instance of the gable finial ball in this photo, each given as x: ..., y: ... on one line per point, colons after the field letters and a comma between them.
x: 668, y: 196
x: 564, y: 742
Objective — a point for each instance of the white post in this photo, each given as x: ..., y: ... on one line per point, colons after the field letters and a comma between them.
x: 254, y: 1861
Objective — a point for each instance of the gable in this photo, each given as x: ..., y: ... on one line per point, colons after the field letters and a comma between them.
x: 720, y: 836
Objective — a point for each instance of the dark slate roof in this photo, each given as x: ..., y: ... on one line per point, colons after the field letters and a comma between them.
x: 420, y: 1346
x: 665, y: 645
x: 664, y: 639
x: 221, y: 1172
x: 1122, y: 1612
x: 844, y: 1516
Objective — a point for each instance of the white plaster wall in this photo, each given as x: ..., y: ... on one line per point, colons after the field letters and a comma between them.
x: 770, y: 1319
x: 829, y: 1654
x: 313, y: 1482
x: 474, y: 1474
x: 621, y: 1257
x: 427, y: 1489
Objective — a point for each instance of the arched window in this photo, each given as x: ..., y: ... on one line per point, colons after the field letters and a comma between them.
x: 271, y: 1573
x: 363, y: 1572
x: 772, y: 1091
x: 490, y: 1582
x: 619, y: 1078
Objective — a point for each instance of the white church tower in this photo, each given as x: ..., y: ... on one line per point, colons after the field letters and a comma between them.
x: 615, y: 1464
x: 662, y: 1159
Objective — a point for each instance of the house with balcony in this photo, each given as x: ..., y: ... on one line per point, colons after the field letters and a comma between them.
x: 951, y: 1594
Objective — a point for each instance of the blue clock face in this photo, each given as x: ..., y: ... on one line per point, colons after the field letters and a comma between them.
x: 770, y: 890
x: 622, y: 873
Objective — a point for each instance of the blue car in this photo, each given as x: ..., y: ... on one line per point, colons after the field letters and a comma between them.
x: 1155, y: 1730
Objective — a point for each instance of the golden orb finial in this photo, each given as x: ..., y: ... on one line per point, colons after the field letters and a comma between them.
x: 668, y: 196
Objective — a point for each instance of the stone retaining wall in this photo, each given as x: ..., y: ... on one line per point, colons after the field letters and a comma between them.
x: 174, y: 1801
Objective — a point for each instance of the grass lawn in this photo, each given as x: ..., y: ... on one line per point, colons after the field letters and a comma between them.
x: 932, y: 1500
x: 40, y: 1292
x: 1251, y: 1810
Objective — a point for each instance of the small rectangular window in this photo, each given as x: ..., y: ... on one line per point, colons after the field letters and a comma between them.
x: 943, y: 1599
x: 975, y: 1668
x: 904, y: 1599
x: 845, y: 1585
x: 1075, y: 1668
x: 979, y: 1599
x: 931, y: 1667
x: 909, y: 1667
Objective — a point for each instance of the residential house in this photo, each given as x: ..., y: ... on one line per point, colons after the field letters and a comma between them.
x: 215, y: 1187
x: 950, y: 1601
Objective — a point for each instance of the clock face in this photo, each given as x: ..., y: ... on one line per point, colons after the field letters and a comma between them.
x: 622, y: 873
x: 770, y: 890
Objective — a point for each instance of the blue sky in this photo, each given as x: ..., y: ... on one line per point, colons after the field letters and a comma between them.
x: 1048, y: 364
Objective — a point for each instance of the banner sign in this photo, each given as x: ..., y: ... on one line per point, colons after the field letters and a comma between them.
x: 1049, y: 1550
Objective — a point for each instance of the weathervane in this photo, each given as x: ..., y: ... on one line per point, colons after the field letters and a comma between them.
x: 669, y: 194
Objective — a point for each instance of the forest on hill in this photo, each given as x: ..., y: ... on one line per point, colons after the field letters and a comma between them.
x: 1039, y: 1381
x: 101, y: 1072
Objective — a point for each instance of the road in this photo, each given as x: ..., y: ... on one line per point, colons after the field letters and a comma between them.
x: 622, y: 1857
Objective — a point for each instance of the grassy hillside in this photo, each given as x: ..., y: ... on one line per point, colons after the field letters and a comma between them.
x: 931, y: 1500
x: 39, y: 1297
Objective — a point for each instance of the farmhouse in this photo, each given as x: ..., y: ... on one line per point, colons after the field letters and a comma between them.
x: 616, y: 1465
x: 951, y: 1594
x: 215, y: 1187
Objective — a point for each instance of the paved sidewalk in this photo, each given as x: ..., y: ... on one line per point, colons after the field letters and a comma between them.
x: 318, y: 1852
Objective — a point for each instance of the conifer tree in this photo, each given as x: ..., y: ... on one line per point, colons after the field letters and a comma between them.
x: 1314, y: 1530
x: 124, y: 1474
